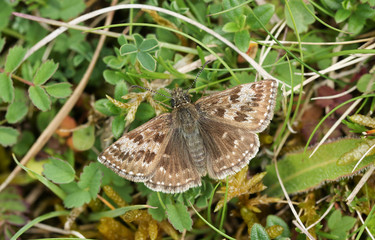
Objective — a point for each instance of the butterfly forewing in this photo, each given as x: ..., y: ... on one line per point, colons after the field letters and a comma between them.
x: 136, y: 155
x: 248, y: 105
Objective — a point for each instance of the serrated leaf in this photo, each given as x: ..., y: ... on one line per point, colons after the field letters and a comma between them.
x: 45, y: 72
x: 90, y: 179
x: 301, y: 173
x: 5, y: 14
x: 77, y: 199
x: 39, y: 98
x: 59, y: 171
x: 179, y: 216
x: 149, y: 45
x: 7, y: 89
x: 258, y: 233
x: 8, y: 136
x: 340, y: 225
x: 302, y: 17
x: 364, y: 83
x: 59, y: 90
x: 127, y: 49
x: 84, y: 138
x: 147, y: 61
x: 118, y: 126
x: 158, y: 213
x: 263, y: 12
x: 18, y: 109
x: 242, y: 40
x: 14, y: 58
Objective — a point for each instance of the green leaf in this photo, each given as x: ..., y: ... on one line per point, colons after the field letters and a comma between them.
x: 158, y: 212
x: 84, y: 138
x: 77, y: 199
x: 231, y: 27
x: 258, y: 233
x: 356, y: 23
x: 242, y: 40
x: 59, y: 90
x: 59, y: 171
x: 145, y: 112
x: 90, y: 179
x: 7, y: 89
x: 24, y: 143
x: 147, y: 61
x: 364, y: 81
x: 51, y: 186
x: 341, y: 15
x: 340, y: 225
x: 302, y: 18
x: 128, y: 49
x: 121, y: 89
x: 263, y: 12
x: 112, y: 77
x: 14, y: 219
x: 138, y: 39
x: 179, y: 216
x: 118, y: 126
x: 5, y: 14
x: 8, y: 136
x: 45, y: 72
x: 105, y: 107
x: 301, y: 173
x: 149, y: 45
x: 40, y: 98
x: 14, y: 58
x: 18, y: 109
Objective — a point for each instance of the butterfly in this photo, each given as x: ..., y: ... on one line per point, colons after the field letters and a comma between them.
x: 216, y: 135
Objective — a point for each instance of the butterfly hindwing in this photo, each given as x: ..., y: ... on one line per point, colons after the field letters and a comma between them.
x: 228, y: 148
x: 175, y: 171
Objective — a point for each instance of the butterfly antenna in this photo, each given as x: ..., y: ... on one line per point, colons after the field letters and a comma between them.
x: 150, y: 90
x: 199, y: 73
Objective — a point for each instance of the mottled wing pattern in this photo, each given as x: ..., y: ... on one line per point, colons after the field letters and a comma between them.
x: 175, y: 172
x: 228, y: 147
x: 248, y: 105
x: 136, y: 155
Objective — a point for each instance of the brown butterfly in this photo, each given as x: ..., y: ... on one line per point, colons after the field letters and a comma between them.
x: 214, y: 136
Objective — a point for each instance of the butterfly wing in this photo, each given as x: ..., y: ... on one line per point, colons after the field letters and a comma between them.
x: 247, y: 106
x: 228, y: 148
x: 175, y: 172
x: 135, y: 155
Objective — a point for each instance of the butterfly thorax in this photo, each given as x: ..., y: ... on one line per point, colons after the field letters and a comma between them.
x: 185, y: 118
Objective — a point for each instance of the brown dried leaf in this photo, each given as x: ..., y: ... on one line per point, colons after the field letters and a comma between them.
x: 239, y: 185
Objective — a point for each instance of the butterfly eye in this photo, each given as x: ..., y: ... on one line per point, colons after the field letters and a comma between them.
x: 173, y: 102
x: 187, y: 98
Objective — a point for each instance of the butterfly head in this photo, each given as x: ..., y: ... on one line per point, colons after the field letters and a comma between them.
x: 179, y: 98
